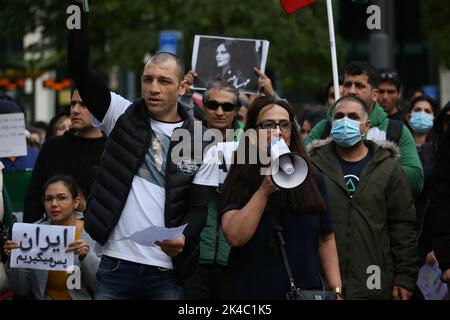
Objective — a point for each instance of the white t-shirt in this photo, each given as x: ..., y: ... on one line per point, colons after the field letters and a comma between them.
x: 145, y: 203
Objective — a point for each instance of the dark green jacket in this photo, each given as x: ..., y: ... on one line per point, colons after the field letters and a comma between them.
x: 375, y: 227
x: 213, y: 247
x: 409, y: 159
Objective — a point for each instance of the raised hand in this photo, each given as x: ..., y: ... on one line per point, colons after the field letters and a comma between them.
x: 264, y: 84
x: 189, y: 78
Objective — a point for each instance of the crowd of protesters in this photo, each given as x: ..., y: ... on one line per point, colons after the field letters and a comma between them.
x: 376, y: 194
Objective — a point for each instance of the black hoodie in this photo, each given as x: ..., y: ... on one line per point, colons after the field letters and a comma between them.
x: 69, y: 155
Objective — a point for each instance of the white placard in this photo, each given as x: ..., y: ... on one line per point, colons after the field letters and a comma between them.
x: 42, y: 246
x: 12, y: 135
x: 232, y: 59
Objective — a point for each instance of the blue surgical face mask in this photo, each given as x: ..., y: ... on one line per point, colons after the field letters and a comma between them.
x: 421, y: 122
x: 346, y: 132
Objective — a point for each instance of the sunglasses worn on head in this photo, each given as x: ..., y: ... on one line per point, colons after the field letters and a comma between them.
x: 214, y: 105
x: 388, y: 75
x: 285, y: 125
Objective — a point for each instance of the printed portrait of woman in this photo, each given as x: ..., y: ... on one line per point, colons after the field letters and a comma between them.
x: 230, y: 72
x: 230, y: 59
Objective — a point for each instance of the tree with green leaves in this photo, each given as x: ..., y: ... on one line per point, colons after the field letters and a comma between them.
x: 436, y: 27
x: 122, y: 32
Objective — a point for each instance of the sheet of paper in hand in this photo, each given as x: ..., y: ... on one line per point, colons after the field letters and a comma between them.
x: 148, y: 236
x: 42, y: 246
x: 12, y: 135
x: 232, y: 59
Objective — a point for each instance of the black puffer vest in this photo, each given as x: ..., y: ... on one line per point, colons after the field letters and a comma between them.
x: 124, y: 153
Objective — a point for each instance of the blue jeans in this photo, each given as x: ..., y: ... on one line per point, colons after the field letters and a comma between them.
x: 120, y: 279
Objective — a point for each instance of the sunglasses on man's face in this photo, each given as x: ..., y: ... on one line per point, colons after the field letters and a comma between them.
x: 214, y: 105
x: 388, y: 75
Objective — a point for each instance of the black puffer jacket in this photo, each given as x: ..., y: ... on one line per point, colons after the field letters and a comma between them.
x: 124, y: 153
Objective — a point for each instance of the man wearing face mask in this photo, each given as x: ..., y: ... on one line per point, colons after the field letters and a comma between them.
x: 361, y: 79
x: 373, y: 212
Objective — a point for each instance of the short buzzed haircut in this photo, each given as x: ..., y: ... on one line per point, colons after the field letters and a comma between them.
x: 356, y: 99
x: 165, y: 56
x: 357, y: 68
x: 221, y: 84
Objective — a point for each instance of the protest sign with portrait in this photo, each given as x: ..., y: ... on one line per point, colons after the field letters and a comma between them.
x: 232, y: 59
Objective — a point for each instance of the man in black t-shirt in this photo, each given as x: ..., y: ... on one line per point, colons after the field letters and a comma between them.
x: 352, y: 171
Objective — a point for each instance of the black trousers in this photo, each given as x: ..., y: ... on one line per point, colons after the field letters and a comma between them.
x: 206, y: 283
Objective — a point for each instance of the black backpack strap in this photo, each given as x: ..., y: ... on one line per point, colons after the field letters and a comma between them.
x: 326, y: 132
x: 394, y: 130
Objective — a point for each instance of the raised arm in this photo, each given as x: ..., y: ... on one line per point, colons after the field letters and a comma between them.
x: 94, y: 92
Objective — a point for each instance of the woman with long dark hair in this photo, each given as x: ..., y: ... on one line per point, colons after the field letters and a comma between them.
x: 61, y: 200
x: 254, y: 210
x: 227, y: 58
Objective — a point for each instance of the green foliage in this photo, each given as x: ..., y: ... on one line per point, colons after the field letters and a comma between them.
x: 436, y: 26
x: 122, y: 32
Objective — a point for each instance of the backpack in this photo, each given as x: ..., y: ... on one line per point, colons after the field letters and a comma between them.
x: 393, y: 132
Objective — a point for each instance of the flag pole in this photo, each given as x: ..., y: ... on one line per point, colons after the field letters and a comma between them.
x: 333, y: 49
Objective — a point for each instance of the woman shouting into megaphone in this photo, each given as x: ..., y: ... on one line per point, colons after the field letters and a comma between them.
x: 258, y: 215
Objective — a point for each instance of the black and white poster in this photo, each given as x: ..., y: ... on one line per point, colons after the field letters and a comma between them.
x: 232, y: 59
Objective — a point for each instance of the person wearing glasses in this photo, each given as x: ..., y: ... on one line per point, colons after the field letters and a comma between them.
x: 61, y: 200
x: 221, y: 101
x: 76, y: 153
x: 253, y: 209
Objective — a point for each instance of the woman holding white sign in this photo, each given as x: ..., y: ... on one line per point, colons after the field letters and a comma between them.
x: 61, y: 200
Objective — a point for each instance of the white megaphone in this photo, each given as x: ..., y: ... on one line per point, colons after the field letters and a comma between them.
x: 288, y: 169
